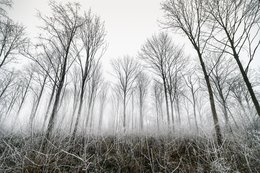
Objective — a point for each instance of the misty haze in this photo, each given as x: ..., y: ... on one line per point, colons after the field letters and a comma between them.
x: 130, y: 86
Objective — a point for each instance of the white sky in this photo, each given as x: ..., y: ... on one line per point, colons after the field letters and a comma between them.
x: 128, y: 22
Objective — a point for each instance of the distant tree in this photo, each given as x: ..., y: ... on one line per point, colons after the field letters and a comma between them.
x: 166, y: 60
x: 25, y: 85
x: 176, y: 65
x: 8, y: 89
x: 13, y: 99
x: 157, y: 93
x: 192, y: 83
x: 142, y: 83
x: 6, y: 82
x: 12, y: 39
x: 115, y: 100
x: 158, y: 53
x: 133, y: 96
x: 103, y: 96
x: 125, y: 71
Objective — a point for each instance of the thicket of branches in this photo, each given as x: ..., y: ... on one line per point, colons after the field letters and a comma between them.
x: 56, y: 104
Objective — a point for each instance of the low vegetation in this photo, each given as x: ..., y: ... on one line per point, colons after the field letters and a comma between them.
x: 239, y: 153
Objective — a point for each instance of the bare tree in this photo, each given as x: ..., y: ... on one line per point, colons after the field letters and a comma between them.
x: 189, y: 17
x: 158, y: 53
x: 192, y: 83
x: 14, y: 95
x: 5, y: 82
x: 12, y: 38
x: 92, y: 36
x: 125, y: 71
x: 47, y: 65
x: 8, y: 89
x: 237, y: 24
x: 175, y: 65
x: 167, y: 62
x: 60, y: 30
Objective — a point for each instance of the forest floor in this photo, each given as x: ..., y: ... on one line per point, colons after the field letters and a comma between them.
x: 129, y: 153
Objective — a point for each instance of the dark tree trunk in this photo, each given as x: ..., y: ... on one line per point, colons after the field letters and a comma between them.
x: 244, y: 74
x: 166, y: 102
x: 79, y: 112
x: 124, y: 113
x: 52, y: 120
x: 49, y: 106
x: 248, y: 84
x: 211, y: 99
x: 172, y: 109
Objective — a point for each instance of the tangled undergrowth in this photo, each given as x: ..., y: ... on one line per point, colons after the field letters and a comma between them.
x: 239, y: 153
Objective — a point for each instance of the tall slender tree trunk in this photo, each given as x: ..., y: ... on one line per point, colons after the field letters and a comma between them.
x: 91, y: 125
x: 248, y: 84
x: 141, y: 116
x: 51, y: 122
x: 212, y: 101
x: 194, y: 109
x: 88, y: 118
x: 166, y: 102
x: 79, y: 112
x: 195, y: 118
x: 141, y: 110
x: 52, y: 119
x: 157, y: 115
x: 172, y: 111
x: 133, y: 117
x: 124, y: 113
x: 178, y: 110
x: 49, y: 106
x: 75, y: 105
